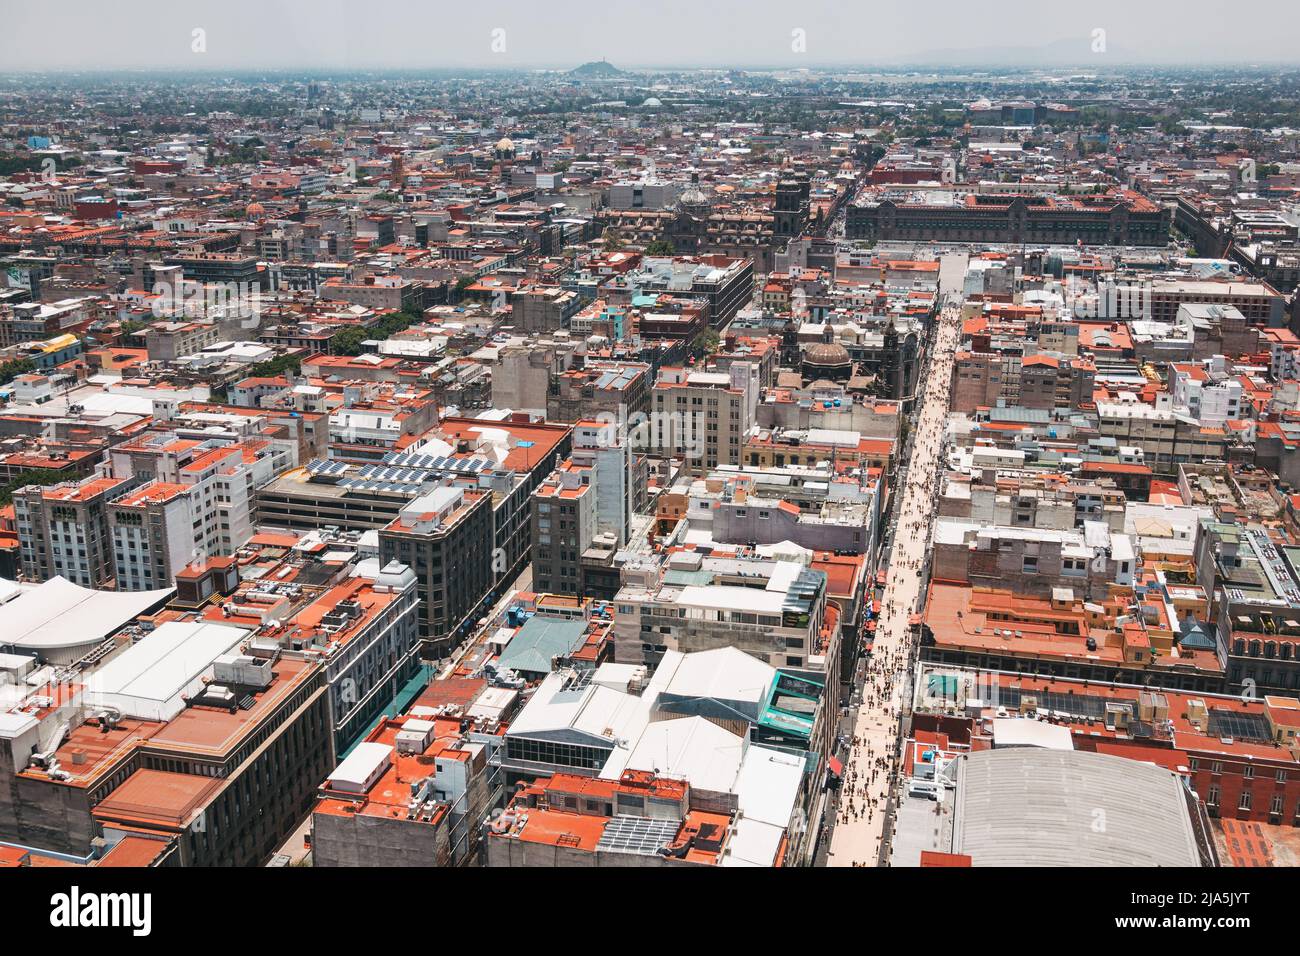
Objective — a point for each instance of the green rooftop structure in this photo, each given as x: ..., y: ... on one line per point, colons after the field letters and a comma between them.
x: 790, y: 708
x: 539, y: 640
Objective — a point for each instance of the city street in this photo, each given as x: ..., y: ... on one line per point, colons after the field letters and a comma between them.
x: 871, y: 770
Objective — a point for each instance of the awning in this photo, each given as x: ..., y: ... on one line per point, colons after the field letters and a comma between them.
x: 836, y: 766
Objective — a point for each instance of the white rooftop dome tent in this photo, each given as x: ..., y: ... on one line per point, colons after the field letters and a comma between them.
x: 60, y: 622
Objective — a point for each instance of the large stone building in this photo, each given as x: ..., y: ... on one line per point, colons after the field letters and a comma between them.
x: 700, y: 417
x: 1124, y: 219
x: 987, y: 379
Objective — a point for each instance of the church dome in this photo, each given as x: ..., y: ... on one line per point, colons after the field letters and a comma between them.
x: 827, y: 353
x: 693, y: 195
x: 827, y: 361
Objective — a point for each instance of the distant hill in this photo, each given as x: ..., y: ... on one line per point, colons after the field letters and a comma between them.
x: 596, y: 70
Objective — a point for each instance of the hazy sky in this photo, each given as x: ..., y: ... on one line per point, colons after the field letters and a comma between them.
x: 143, y: 34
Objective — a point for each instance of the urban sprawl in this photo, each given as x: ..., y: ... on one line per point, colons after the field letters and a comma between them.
x: 629, y: 468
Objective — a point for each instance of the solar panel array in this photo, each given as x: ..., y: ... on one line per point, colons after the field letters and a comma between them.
x: 400, y: 473
x: 1239, y: 726
x: 385, y: 473
x: 642, y: 835
x: 410, y: 488
x: 438, y: 462
x: 1076, y: 705
x: 327, y: 468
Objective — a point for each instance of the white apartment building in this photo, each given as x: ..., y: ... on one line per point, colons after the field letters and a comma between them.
x: 157, y: 529
x: 1206, y: 392
x: 772, y: 610
x: 617, y: 474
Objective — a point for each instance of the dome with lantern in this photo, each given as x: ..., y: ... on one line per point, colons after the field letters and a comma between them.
x: 693, y: 197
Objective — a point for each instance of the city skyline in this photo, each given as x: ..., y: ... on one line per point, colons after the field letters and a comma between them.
x: 82, y: 35
x: 661, y: 436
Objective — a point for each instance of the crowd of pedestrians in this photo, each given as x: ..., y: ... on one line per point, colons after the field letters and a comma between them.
x: 872, y: 770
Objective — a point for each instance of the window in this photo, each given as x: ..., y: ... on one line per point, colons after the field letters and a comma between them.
x: 1244, y: 803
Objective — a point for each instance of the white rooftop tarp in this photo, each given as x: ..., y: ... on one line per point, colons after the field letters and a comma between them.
x: 586, y: 715
x: 147, y: 680
x: 1026, y: 806
x: 691, y: 749
x: 730, y: 597
x: 9, y: 590
x: 1024, y: 732
x: 723, y: 674
x: 768, y: 785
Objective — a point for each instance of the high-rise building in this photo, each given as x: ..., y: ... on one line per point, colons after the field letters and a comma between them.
x: 618, y: 474
x: 700, y: 417
x: 157, y: 529
x: 446, y: 537
x: 64, y: 530
x: 564, y: 523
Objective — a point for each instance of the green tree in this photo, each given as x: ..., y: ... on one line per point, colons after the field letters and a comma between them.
x: 349, y: 341
x: 279, y: 365
x: 11, y: 163
x: 659, y: 247
x: 36, y: 476
x: 13, y: 368
x: 704, y: 343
